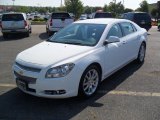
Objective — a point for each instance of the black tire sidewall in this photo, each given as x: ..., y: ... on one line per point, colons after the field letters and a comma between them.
x: 138, y: 59
x: 81, y: 92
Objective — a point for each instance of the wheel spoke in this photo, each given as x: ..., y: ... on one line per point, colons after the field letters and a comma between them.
x: 90, y: 81
x: 85, y: 88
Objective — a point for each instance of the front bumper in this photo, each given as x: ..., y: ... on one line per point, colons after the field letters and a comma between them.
x: 37, y: 85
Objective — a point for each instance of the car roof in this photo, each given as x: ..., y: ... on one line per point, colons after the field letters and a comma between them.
x: 13, y: 13
x: 102, y: 21
x: 134, y: 12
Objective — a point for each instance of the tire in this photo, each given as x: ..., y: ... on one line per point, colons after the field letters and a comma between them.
x: 141, y: 53
x: 5, y: 35
x: 27, y: 34
x: 30, y: 30
x: 159, y: 28
x: 49, y: 33
x: 89, y: 82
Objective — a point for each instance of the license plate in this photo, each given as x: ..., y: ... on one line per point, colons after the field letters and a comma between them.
x: 22, y: 85
x: 13, y: 30
x: 142, y: 22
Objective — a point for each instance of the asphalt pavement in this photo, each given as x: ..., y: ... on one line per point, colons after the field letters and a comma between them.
x: 133, y: 93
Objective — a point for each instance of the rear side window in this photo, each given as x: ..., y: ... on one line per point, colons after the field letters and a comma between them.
x: 60, y: 15
x: 115, y: 31
x: 103, y: 15
x: 127, y: 28
x: 142, y: 17
x: 12, y: 17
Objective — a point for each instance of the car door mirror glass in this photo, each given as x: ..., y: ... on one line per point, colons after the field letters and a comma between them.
x: 112, y: 39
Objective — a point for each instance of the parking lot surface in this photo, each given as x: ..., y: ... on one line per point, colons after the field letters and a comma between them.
x: 133, y: 93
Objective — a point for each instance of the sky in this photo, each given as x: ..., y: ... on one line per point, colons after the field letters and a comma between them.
x: 133, y: 4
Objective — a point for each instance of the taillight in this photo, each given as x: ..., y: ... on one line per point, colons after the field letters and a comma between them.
x: 25, y: 23
x: 51, y: 22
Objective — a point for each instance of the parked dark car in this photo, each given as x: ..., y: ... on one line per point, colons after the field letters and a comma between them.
x: 141, y: 18
x: 102, y: 15
x: 158, y: 24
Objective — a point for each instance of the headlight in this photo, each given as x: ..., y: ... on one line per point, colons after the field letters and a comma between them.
x: 59, y: 71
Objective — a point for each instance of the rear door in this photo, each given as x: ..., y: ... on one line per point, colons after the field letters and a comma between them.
x: 60, y: 20
x: 130, y: 40
x: 13, y: 21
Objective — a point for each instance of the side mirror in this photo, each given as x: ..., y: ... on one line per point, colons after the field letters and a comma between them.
x: 112, y: 39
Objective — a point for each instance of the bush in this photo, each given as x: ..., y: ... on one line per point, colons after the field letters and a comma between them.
x: 38, y: 19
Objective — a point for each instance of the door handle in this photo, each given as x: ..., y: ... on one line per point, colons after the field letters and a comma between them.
x: 124, y: 42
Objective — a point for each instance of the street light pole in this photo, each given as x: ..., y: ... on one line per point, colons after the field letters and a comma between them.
x: 123, y: 2
x: 13, y: 4
x: 61, y: 3
x: 114, y: 7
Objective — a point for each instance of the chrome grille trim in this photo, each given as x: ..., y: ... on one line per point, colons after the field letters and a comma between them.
x: 32, y: 69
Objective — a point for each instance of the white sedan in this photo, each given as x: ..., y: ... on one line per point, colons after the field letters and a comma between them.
x: 76, y: 59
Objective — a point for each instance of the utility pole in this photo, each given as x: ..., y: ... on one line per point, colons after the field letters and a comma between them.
x: 114, y: 6
x: 13, y: 4
x: 61, y: 4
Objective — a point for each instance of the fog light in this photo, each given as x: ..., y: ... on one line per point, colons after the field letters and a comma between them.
x: 54, y: 92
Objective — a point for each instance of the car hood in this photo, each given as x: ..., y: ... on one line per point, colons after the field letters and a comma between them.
x: 47, y: 53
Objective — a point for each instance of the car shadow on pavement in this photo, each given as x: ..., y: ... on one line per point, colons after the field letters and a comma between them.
x: 17, y: 105
x: 43, y: 36
x: 12, y: 37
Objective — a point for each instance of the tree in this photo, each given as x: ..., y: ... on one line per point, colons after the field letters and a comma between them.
x: 154, y: 13
x: 116, y: 8
x: 127, y: 10
x: 21, y: 9
x: 105, y: 8
x: 87, y: 10
x: 75, y: 7
x: 144, y: 6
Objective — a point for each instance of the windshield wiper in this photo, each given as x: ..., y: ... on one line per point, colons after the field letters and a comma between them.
x: 73, y: 43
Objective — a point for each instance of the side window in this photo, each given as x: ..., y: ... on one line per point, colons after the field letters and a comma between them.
x: 125, y: 16
x: 135, y: 29
x: 115, y: 31
x: 130, y: 16
x: 127, y: 28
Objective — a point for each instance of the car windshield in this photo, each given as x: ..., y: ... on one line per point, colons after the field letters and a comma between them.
x: 12, y: 17
x: 103, y: 15
x: 79, y: 34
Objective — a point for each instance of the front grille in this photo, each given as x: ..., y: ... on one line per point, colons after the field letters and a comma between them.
x: 25, y: 78
x: 32, y: 69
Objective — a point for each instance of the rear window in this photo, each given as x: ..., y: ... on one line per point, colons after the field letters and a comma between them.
x: 103, y: 15
x: 60, y: 15
x: 12, y: 17
x: 142, y: 16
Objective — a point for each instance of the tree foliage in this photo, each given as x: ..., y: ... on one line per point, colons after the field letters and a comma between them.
x: 127, y: 10
x: 116, y: 8
x: 75, y: 7
x: 154, y: 13
x: 144, y: 6
x: 87, y: 10
x: 105, y: 8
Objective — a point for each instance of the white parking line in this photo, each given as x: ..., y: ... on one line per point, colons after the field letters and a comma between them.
x: 130, y: 93
x: 7, y: 85
x: 113, y: 92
